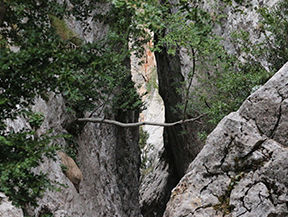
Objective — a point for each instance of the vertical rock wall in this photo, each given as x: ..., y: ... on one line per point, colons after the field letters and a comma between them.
x: 110, y: 159
x: 108, y: 156
x: 180, y: 150
x: 244, y: 18
x: 146, y: 83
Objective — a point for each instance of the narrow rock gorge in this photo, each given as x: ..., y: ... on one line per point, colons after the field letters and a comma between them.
x: 240, y: 169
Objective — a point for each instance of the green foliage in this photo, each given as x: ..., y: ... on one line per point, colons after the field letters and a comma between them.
x: 230, y: 88
x: 145, y: 148
x: 29, y: 71
x: 20, y: 152
x: 223, y: 82
x: 100, y: 71
x: 224, y: 200
x: 152, y: 83
x: 35, y: 119
x: 45, y: 212
x: 275, y: 46
x: 236, y: 80
x: 202, y: 135
x: 189, y: 27
x: 43, y: 62
x: 64, y: 168
x: 143, y: 136
x: 71, y: 149
x: 230, y: 1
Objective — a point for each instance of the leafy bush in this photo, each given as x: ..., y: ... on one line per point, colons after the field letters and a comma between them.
x: 35, y: 119
x: 145, y: 148
x: 20, y: 153
x: 35, y: 58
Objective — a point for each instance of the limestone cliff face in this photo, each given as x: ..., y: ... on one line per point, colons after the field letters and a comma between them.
x: 242, y: 169
x: 107, y: 156
x: 146, y: 83
x: 180, y: 150
x: 247, y: 20
x: 111, y: 157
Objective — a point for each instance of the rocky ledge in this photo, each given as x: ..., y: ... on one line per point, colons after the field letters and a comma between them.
x: 243, y: 168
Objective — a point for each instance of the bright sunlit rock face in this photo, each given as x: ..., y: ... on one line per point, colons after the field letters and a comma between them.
x: 146, y: 83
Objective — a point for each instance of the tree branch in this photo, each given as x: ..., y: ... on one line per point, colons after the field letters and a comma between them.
x: 190, y: 82
x: 120, y: 124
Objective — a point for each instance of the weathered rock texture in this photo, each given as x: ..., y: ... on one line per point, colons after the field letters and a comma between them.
x: 7, y: 209
x: 146, y: 83
x: 108, y: 156
x: 111, y: 157
x: 238, y: 17
x: 71, y: 170
x: 180, y: 150
x: 242, y: 169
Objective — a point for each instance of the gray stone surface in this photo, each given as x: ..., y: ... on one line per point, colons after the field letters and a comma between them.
x: 242, y: 169
x: 156, y: 186
x: 146, y: 83
x: 7, y: 209
x: 183, y: 151
x: 108, y: 157
x: 238, y: 17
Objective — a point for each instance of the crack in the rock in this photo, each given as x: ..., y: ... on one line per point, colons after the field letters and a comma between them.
x: 268, y: 154
x: 226, y: 151
x: 205, y: 187
x: 246, y: 193
x: 277, y: 122
x: 214, y: 194
x: 207, y: 171
x: 270, y: 187
x: 241, y: 163
x: 253, y: 119
x: 280, y: 94
x: 246, y: 118
x: 224, y: 200
x: 267, y: 184
x: 241, y: 128
x: 210, y: 174
x: 202, y: 207
x: 260, y: 198
x: 242, y: 213
x: 256, y: 147
x: 243, y: 203
x: 258, y: 128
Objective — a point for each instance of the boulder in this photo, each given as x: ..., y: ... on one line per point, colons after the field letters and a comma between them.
x: 72, y: 171
x: 242, y: 169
